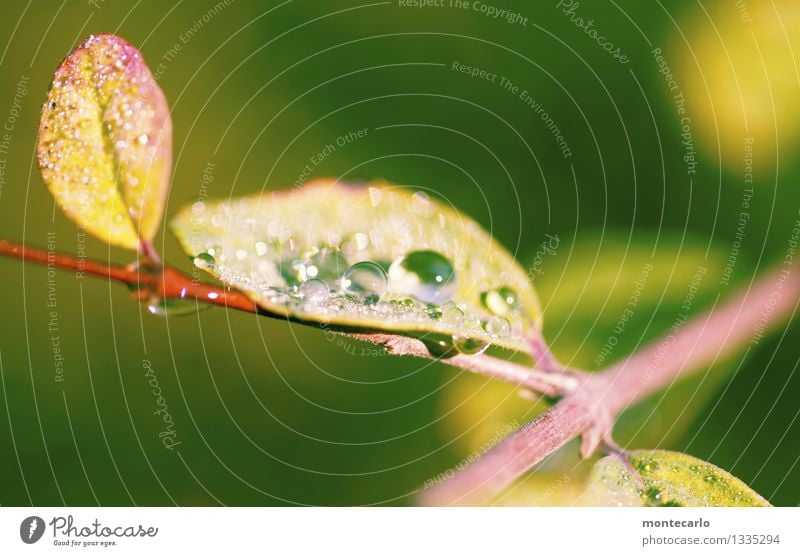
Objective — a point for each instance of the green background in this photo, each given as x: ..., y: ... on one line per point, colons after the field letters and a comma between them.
x: 271, y: 413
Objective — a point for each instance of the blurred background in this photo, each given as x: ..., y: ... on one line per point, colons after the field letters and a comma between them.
x: 618, y: 148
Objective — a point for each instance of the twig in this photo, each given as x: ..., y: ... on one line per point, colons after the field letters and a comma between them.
x: 166, y: 282
x: 163, y: 282
x: 700, y: 342
x: 544, y: 382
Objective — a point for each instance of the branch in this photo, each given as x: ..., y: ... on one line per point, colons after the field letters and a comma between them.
x: 544, y: 382
x: 165, y: 282
x: 592, y: 408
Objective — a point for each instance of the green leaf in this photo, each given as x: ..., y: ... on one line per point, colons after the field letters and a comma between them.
x: 105, y: 141
x: 293, y: 252
x: 667, y: 479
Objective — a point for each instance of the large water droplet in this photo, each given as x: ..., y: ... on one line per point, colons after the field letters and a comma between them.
x: 426, y: 275
x: 366, y: 281
x: 502, y: 301
x: 327, y: 264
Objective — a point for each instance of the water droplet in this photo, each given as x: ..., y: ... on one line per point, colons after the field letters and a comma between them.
x: 375, y: 196
x: 468, y: 343
x: 498, y: 326
x: 314, y: 291
x: 365, y: 280
x: 451, y: 314
x: 173, y: 307
x: 421, y: 203
x: 142, y: 139
x: 654, y: 494
x: 649, y: 466
x: 326, y: 264
x: 426, y: 275
x: 502, y: 301
x: 204, y: 260
x: 361, y: 240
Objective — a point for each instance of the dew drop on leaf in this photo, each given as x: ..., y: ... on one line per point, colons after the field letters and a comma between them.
x: 502, y: 301
x: 204, y: 260
x: 314, y: 291
x: 498, y: 326
x: 451, y: 314
x: 427, y: 275
x: 365, y: 280
x: 327, y: 264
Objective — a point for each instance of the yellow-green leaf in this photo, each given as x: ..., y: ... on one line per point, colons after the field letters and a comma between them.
x: 105, y: 141
x: 667, y: 479
x: 276, y: 247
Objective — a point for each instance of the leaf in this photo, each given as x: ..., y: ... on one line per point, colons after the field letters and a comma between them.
x: 277, y: 247
x: 668, y: 479
x: 105, y: 141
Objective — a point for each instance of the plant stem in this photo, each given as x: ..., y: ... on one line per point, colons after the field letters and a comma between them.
x: 544, y: 382
x: 743, y: 319
x: 164, y: 283
x: 167, y: 282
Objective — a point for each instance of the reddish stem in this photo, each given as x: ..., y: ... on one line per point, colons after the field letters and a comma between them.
x: 162, y: 282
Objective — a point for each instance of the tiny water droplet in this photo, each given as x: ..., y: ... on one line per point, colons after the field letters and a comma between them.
x: 649, y: 466
x: 365, y: 280
x: 204, y: 260
x: 314, y: 291
x: 427, y: 275
x: 361, y: 240
x: 375, y: 196
x: 653, y: 493
x: 502, y: 301
x: 498, y: 326
x: 421, y: 203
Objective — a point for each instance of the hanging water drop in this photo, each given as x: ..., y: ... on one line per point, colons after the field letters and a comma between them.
x: 366, y: 281
x: 173, y: 306
x: 427, y: 275
x: 466, y: 342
